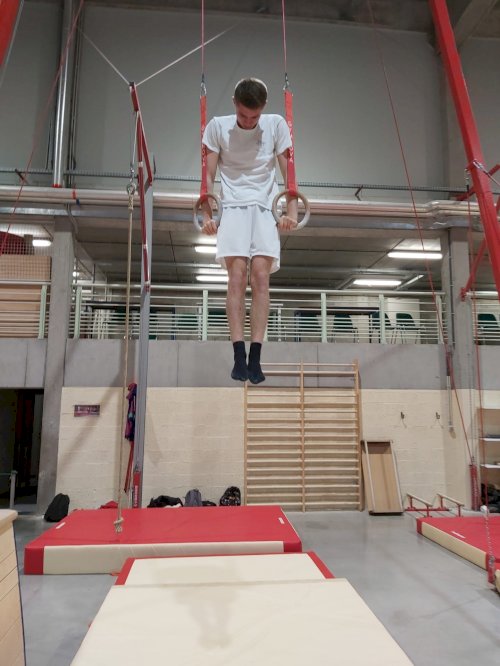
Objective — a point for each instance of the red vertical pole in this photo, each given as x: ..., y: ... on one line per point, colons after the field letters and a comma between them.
x: 470, y: 135
x: 9, y: 10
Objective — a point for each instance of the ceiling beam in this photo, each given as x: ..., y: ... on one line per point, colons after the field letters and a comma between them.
x: 474, y: 13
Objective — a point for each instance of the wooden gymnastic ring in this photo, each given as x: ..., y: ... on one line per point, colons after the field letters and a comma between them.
x: 294, y: 195
x: 196, y: 208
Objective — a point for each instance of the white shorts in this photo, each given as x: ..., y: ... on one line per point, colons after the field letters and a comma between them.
x: 248, y: 231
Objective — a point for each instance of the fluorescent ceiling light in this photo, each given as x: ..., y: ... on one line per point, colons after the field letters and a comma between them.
x: 205, y: 249
x: 212, y: 278
x: 41, y: 242
x: 207, y: 240
x: 213, y: 271
x: 404, y: 254
x: 376, y: 282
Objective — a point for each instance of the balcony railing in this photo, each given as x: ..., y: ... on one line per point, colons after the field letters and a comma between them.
x: 190, y: 312
x: 485, y: 318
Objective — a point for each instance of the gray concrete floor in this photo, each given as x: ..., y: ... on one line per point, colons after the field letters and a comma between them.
x: 439, y: 608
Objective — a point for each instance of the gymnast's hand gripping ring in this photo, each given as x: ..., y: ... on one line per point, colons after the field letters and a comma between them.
x: 296, y: 195
x: 196, y: 208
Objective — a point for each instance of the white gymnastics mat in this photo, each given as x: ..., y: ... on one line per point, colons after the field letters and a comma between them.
x: 320, y: 622
x: 223, y: 569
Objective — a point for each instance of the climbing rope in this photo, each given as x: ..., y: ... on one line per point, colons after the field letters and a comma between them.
x: 131, y: 190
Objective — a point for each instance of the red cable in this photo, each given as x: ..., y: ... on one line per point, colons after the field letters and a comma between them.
x: 491, y: 558
x: 202, y: 39
x: 203, y: 107
x: 291, y: 180
x: 449, y: 363
x: 476, y: 495
x: 42, y: 118
x: 284, y: 34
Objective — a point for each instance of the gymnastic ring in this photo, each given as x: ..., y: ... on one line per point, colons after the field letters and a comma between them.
x: 196, y: 208
x: 296, y: 195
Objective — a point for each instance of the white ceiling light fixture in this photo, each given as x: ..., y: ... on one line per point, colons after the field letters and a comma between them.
x: 413, y: 254
x: 213, y: 271
x: 376, y: 282
x: 207, y: 240
x: 42, y: 242
x: 205, y: 249
x: 212, y: 278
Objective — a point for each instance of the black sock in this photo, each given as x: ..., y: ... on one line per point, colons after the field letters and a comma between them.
x: 240, y: 371
x: 255, y: 374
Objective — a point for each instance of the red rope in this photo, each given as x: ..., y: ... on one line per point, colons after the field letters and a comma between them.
x: 472, y: 465
x: 448, y: 354
x: 481, y: 447
x: 42, y: 118
x: 203, y: 107
x: 202, y: 39
x: 283, y: 21
x: 203, y: 123
x: 291, y: 179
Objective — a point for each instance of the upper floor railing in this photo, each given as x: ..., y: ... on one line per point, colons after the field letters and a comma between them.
x: 485, y: 317
x: 190, y: 312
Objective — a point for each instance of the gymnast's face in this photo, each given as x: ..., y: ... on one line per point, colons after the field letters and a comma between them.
x: 247, y: 118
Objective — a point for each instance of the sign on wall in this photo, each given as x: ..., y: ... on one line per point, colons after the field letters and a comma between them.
x: 87, y: 410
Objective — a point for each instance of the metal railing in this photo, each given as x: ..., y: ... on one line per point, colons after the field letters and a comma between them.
x: 190, y: 312
x: 485, y: 318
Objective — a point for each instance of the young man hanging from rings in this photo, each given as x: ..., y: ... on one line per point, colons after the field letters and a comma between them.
x: 245, y: 147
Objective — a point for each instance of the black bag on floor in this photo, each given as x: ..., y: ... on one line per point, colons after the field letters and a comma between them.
x: 57, y: 509
x: 231, y: 497
x: 164, y: 500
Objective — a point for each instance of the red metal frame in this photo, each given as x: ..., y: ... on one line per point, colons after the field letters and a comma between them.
x: 471, y: 191
x: 470, y: 136
x: 144, y: 182
x: 9, y: 10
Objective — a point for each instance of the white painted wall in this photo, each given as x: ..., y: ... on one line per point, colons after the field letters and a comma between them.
x: 25, y: 109
x: 195, y: 439
x: 480, y: 61
x: 343, y: 121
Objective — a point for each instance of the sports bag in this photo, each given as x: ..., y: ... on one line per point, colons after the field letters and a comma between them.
x: 193, y: 498
x: 231, y: 497
x: 57, y: 509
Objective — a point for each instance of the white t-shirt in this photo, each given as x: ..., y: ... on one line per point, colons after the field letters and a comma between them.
x: 247, y: 158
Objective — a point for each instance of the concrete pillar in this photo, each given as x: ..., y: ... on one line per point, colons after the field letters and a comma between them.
x: 454, y: 157
x: 60, y: 305
x: 455, y: 273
